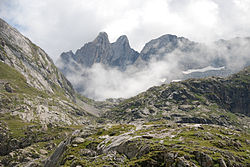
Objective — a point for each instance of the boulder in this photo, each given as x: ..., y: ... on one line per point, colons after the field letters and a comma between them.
x: 78, y: 140
x: 222, y: 163
x: 87, y: 152
x: 8, y: 88
x: 182, y: 162
x: 203, y: 159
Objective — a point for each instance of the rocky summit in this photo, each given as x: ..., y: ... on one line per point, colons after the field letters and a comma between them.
x: 118, y: 54
x: 44, y: 122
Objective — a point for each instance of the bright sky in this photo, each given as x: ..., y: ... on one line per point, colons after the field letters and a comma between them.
x: 62, y: 25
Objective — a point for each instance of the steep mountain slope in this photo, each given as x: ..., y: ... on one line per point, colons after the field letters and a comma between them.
x: 30, y: 76
x: 38, y: 69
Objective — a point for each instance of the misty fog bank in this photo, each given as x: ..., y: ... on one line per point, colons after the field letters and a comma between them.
x: 101, y: 82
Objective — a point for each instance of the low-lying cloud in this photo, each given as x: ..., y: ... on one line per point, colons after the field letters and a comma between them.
x: 101, y: 82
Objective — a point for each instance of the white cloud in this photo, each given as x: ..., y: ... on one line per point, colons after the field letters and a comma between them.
x: 61, y: 25
x: 100, y: 82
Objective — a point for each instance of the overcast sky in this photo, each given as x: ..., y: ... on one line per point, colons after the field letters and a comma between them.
x: 62, y: 25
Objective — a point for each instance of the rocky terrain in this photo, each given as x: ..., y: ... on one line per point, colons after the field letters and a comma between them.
x: 44, y: 122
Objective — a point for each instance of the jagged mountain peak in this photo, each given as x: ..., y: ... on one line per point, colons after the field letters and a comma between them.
x: 122, y: 39
x: 101, y: 38
x: 118, y: 53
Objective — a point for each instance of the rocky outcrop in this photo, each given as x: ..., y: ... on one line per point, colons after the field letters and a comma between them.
x: 231, y: 93
x: 53, y: 160
x: 123, y: 54
x: 203, y: 159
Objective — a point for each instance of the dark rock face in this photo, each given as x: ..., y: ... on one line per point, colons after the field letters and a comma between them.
x: 8, y: 88
x: 118, y: 54
x: 232, y: 93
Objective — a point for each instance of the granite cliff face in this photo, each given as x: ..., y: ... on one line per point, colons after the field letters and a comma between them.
x: 123, y: 55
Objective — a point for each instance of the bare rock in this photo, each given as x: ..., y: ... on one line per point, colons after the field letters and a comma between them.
x: 43, y: 152
x: 8, y: 88
x: 87, y: 152
x: 222, y: 163
x: 78, y: 140
x: 203, y: 159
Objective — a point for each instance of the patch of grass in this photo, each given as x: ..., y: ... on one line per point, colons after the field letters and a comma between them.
x: 15, y: 125
x: 115, y: 130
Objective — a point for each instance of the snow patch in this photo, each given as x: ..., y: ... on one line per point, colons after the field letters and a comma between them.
x: 208, y: 68
x: 176, y: 80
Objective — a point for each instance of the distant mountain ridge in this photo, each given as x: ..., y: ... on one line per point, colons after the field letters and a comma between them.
x: 179, y: 53
x: 188, y: 54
